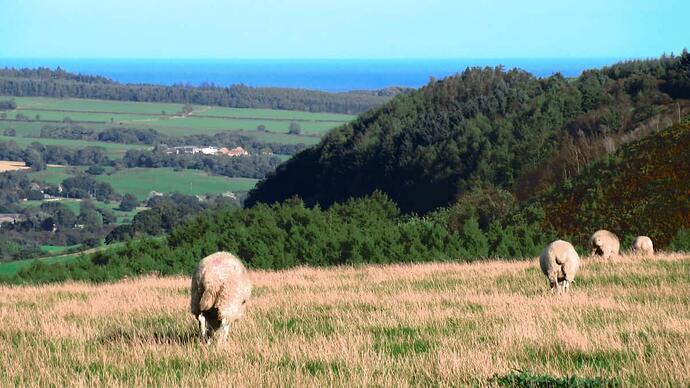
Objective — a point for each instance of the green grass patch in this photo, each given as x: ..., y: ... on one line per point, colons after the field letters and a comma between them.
x: 141, y: 181
x: 12, y: 267
x: 399, y: 341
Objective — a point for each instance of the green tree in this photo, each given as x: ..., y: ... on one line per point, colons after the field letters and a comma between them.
x: 294, y: 128
x: 89, y: 216
x: 129, y: 202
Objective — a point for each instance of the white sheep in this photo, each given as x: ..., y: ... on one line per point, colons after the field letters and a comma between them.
x: 605, y: 244
x: 559, y: 262
x: 643, y: 245
x: 220, y: 289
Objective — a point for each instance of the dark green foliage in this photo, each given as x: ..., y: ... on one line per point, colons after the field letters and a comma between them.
x: 365, y: 230
x: 8, y: 104
x: 59, y: 83
x: 37, y: 152
x: 251, y: 166
x: 680, y: 241
x: 95, y: 170
x: 85, y: 186
x: 525, y: 379
x: 129, y: 202
x: 506, y: 129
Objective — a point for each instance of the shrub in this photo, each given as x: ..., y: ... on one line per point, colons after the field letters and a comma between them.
x: 527, y: 379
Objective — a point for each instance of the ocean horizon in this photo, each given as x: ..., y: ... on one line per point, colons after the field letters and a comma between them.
x: 332, y: 75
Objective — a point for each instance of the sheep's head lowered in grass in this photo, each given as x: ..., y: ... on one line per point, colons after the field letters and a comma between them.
x: 220, y: 290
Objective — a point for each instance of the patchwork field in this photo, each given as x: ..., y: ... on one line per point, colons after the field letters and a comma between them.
x: 423, y: 325
x: 166, y: 118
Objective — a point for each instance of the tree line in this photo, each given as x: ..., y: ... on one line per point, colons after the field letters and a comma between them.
x: 44, y: 82
x: 153, y: 137
x: 366, y: 230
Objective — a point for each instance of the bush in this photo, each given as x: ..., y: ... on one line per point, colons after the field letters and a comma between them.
x: 129, y: 202
x: 680, y: 241
x: 528, y: 380
x: 95, y: 170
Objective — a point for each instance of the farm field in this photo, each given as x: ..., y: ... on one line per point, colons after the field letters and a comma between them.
x: 424, y: 325
x: 9, y: 165
x: 164, y: 117
x: 141, y: 181
x: 12, y: 267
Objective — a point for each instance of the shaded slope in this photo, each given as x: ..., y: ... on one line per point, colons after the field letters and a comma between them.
x: 643, y: 189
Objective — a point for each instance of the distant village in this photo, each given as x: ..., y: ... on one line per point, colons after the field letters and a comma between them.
x: 237, y: 151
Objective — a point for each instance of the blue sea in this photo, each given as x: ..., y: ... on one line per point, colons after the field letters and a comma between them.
x: 327, y: 74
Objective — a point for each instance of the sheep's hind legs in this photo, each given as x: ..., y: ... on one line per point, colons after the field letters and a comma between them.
x: 203, y: 330
x: 225, y: 324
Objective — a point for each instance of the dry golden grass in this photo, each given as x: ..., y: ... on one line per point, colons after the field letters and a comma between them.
x: 427, y: 324
x: 6, y: 165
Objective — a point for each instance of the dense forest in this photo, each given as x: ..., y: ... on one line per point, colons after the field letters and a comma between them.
x: 484, y: 127
x: 44, y: 82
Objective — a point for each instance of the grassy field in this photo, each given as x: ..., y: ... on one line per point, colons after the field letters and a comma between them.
x: 141, y: 181
x: 14, y: 266
x: 166, y: 118
x: 421, y: 325
x: 54, y: 174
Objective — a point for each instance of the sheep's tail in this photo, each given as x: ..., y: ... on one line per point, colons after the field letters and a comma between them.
x: 208, y: 299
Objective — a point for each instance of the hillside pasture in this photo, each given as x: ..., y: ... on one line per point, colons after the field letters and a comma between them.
x: 440, y: 324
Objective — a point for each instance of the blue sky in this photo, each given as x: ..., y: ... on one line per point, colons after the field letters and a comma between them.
x: 342, y: 29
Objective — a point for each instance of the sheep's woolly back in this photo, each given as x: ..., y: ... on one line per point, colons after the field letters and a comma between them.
x: 220, y: 281
x: 605, y: 243
x: 559, y: 261
x: 643, y: 244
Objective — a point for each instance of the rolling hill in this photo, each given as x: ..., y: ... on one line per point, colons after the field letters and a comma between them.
x: 483, y: 127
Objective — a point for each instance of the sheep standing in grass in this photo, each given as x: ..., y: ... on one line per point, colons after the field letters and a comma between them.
x: 220, y: 289
x: 643, y: 245
x: 605, y: 244
x: 559, y: 262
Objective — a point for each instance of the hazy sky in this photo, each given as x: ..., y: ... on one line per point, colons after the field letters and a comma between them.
x: 342, y: 29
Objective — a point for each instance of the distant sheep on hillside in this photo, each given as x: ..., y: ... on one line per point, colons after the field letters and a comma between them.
x: 559, y: 262
x: 643, y: 245
x: 605, y: 244
x: 220, y: 289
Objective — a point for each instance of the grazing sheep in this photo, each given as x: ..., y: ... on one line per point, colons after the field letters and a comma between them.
x: 605, y: 244
x: 643, y: 245
x: 220, y: 289
x: 559, y: 262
